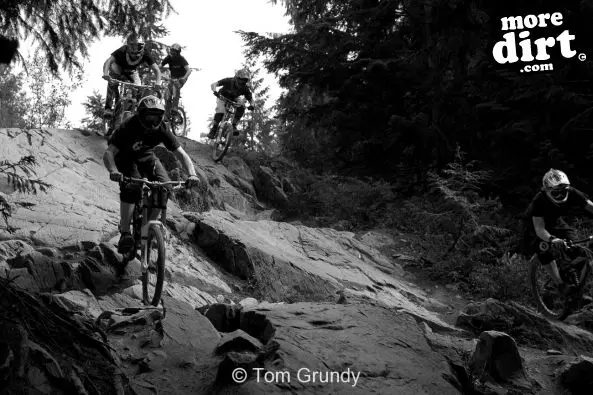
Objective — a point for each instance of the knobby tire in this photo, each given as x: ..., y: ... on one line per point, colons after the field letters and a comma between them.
x: 224, y: 129
x: 535, y: 267
x: 154, y: 233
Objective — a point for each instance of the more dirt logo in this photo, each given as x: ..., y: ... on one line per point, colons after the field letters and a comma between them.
x: 520, y: 45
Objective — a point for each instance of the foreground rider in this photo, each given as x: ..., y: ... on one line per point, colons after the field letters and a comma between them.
x: 131, y: 153
x: 556, y: 199
x: 179, y: 69
x: 123, y: 65
x: 232, y: 88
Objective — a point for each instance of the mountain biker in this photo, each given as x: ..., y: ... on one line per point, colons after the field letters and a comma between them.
x: 232, y: 88
x: 131, y: 153
x: 179, y: 69
x: 556, y: 199
x: 123, y: 65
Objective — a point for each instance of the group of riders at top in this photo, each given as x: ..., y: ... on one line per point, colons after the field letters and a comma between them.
x: 123, y: 64
x: 130, y: 151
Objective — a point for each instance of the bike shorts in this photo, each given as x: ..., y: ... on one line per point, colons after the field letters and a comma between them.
x: 148, y: 166
x: 561, y: 230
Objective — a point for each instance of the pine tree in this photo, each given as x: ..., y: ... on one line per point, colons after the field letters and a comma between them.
x: 12, y: 103
x: 257, y: 125
x: 93, y: 107
x: 61, y: 29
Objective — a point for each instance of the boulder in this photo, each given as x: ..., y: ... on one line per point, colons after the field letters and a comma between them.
x: 525, y: 326
x: 238, y: 341
x: 288, y: 262
x: 577, y: 376
x: 497, y: 358
x: 269, y: 187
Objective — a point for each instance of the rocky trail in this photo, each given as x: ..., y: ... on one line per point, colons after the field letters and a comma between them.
x: 279, y: 307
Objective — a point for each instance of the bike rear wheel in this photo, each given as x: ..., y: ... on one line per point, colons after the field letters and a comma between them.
x: 153, y: 278
x: 549, y: 301
x: 178, y: 121
x: 222, y: 141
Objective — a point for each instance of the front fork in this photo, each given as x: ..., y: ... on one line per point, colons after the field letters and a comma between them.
x: 144, y: 238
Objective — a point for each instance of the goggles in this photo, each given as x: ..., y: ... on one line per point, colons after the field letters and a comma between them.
x: 559, y: 192
x: 136, y: 47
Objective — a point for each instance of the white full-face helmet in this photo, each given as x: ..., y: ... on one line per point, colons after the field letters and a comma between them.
x: 556, y: 185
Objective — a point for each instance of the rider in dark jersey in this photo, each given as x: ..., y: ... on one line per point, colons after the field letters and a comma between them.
x: 544, y: 218
x: 180, y: 71
x: 123, y: 65
x: 131, y: 153
x: 232, y: 88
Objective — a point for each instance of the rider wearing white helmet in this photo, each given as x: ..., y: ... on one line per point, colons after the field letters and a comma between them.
x: 232, y: 88
x: 131, y: 153
x: 544, y: 218
x: 179, y: 69
x: 123, y: 65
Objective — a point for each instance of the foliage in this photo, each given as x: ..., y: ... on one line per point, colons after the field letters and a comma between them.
x: 385, y: 88
x: 338, y: 201
x: 151, y: 29
x: 47, y: 96
x: 258, y: 126
x: 93, y: 106
x: 63, y: 29
x: 469, y: 237
x: 19, y: 176
x: 12, y: 103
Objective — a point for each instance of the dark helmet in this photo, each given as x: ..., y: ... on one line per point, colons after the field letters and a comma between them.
x: 134, y: 46
x: 151, y: 112
x: 175, y: 50
x: 242, y: 75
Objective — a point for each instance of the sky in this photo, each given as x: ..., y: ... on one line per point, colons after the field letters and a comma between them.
x: 205, y: 30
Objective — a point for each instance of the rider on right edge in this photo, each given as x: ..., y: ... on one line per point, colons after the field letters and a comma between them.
x: 556, y: 199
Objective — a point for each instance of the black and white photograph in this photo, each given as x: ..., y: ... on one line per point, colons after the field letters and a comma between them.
x: 240, y: 197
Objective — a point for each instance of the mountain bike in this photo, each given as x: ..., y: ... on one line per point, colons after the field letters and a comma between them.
x: 125, y: 104
x: 175, y: 115
x: 224, y: 134
x: 149, y: 236
x: 574, y: 264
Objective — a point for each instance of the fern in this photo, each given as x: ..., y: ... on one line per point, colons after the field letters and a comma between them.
x: 19, y: 175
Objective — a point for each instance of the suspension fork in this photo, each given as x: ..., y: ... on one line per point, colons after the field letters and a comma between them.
x: 146, y: 225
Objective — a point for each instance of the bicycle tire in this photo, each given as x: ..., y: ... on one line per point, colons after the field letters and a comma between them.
x: 179, y: 130
x: 154, y: 232
x: 225, y: 130
x: 534, y: 267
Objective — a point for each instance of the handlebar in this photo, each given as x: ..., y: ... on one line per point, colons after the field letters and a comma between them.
x: 178, y: 184
x: 229, y: 101
x: 113, y: 80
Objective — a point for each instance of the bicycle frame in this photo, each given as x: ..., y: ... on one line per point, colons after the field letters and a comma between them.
x: 171, y: 92
x: 230, y: 107
x: 142, y: 210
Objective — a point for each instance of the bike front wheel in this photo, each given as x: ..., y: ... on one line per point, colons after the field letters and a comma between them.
x: 548, y: 299
x: 178, y: 122
x: 154, y: 275
x: 222, y: 141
